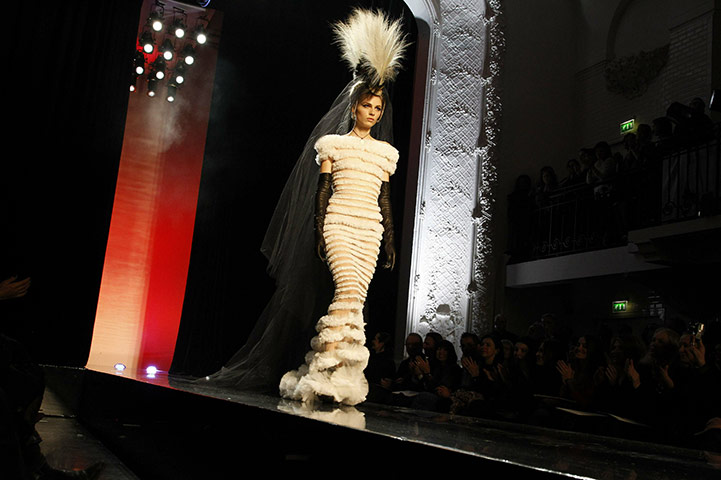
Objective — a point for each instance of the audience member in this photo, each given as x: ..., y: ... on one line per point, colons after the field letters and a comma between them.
x: 575, y: 174
x: 381, y: 369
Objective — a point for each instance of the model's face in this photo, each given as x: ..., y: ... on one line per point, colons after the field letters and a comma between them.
x: 368, y: 111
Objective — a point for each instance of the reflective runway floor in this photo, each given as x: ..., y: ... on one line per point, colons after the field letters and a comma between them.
x: 540, y: 452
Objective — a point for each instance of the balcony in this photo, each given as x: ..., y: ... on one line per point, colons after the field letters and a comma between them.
x: 664, y: 213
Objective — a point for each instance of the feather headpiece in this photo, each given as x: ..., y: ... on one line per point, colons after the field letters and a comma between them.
x: 373, y: 46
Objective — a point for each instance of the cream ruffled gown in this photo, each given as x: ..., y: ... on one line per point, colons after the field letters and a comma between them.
x: 353, y: 234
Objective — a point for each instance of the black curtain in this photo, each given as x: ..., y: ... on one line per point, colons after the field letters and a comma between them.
x: 277, y: 74
x: 67, y: 82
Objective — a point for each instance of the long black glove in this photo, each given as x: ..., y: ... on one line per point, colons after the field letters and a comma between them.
x: 384, y: 201
x: 322, y: 194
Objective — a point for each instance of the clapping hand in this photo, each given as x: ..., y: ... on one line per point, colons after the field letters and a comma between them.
x: 14, y: 288
x: 565, y: 370
x: 471, y: 366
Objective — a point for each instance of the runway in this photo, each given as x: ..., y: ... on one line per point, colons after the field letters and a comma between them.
x: 162, y: 426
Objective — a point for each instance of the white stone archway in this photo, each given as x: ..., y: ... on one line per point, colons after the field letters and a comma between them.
x: 450, y: 275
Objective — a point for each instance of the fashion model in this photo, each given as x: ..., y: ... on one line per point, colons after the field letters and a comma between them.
x: 336, y: 206
x: 353, y: 215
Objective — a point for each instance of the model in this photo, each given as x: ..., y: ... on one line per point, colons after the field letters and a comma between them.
x: 336, y: 203
x: 353, y: 220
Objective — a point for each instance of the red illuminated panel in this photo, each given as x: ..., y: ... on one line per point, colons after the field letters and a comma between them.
x: 151, y: 229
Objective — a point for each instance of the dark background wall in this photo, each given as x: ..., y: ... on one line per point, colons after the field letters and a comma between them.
x: 277, y: 74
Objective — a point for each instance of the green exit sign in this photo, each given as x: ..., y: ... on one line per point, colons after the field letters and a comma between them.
x: 620, y: 306
x: 628, y: 126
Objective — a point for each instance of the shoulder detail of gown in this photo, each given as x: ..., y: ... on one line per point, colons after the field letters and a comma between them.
x: 338, y: 147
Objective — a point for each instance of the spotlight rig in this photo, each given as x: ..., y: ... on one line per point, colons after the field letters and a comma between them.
x: 166, y: 49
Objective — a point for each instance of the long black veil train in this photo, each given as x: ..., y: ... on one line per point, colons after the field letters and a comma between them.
x: 304, y: 288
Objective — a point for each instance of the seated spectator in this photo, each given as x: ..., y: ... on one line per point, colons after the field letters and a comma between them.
x: 440, y: 381
x: 507, y: 346
x: 408, y: 376
x: 431, y: 342
x: 381, y: 369
x: 500, y: 328
x: 486, y: 388
x: 583, y: 373
x: 651, y: 378
x: 698, y: 394
x: 517, y: 376
x: 545, y: 377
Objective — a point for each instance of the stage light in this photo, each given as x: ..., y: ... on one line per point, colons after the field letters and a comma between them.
x: 119, y: 367
x: 146, y: 40
x: 159, y: 68
x: 152, y: 85
x: 151, y: 370
x: 133, y: 82
x: 201, y: 35
x: 156, y: 21
x: 167, y: 49
x: 178, y: 28
x: 172, y: 91
x: 139, y: 63
x: 179, y: 73
x: 188, y: 54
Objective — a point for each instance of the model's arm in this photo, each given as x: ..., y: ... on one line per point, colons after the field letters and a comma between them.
x: 326, y: 166
x: 322, y: 194
x: 384, y: 201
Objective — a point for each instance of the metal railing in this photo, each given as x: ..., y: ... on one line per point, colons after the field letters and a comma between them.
x: 683, y: 183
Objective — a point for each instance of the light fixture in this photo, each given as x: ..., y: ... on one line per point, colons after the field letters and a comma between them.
x: 201, y: 34
x: 179, y: 73
x: 168, y: 50
x: 178, y: 28
x: 139, y: 63
x: 133, y: 81
x: 155, y: 20
x: 152, y: 85
x: 172, y: 92
x: 119, y: 367
x: 151, y: 370
x: 146, y: 41
x: 159, y: 68
x: 188, y: 54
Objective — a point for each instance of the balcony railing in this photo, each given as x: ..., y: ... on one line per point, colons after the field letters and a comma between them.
x: 683, y: 183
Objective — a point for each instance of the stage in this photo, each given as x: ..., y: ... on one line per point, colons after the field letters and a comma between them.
x: 163, y: 426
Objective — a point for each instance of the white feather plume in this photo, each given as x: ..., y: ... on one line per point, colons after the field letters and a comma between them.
x: 372, y: 44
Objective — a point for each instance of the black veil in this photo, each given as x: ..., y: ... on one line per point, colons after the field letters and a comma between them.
x: 304, y: 286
